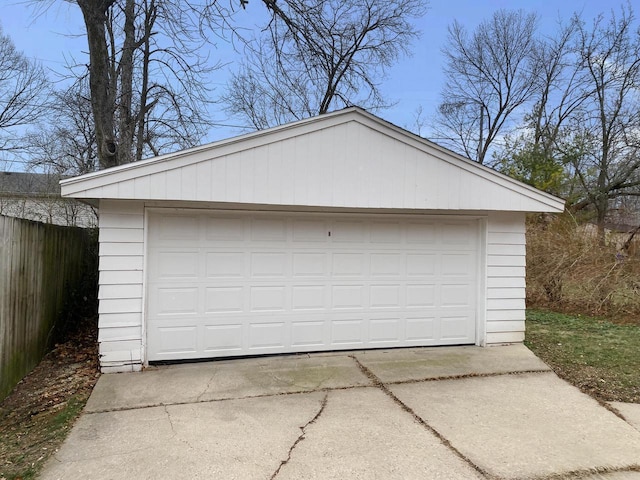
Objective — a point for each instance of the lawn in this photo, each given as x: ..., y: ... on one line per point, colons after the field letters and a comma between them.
x: 598, y: 356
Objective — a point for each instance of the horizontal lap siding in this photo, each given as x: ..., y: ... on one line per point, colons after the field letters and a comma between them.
x: 120, y: 292
x: 505, y: 278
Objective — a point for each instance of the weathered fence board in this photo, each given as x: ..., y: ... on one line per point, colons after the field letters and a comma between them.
x: 41, y: 265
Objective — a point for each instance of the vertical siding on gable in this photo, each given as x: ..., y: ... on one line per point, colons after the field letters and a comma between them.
x: 120, y: 285
x: 505, y: 278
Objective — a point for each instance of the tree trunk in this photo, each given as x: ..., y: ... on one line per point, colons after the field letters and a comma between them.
x: 125, y: 66
x: 95, y: 17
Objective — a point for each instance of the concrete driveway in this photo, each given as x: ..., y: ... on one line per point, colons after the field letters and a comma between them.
x: 429, y: 413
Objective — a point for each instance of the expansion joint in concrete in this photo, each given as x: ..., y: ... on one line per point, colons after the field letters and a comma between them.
x: 588, y: 472
x: 380, y: 385
x: 469, y: 375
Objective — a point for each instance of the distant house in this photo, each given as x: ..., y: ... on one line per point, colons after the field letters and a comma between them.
x: 36, y: 196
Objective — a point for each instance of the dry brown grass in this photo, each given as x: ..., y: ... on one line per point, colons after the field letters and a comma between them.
x: 569, y: 270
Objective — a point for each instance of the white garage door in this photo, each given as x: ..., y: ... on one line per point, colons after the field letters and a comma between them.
x: 226, y: 283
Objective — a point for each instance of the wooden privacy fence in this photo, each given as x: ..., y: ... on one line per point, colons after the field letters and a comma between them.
x: 41, y: 269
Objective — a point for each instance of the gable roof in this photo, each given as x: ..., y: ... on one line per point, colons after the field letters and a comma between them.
x: 349, y: 158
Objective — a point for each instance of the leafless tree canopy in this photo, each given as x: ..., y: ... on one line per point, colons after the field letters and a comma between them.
x: 148, y: 71
x: 566, y: 107
x: 66, y: 146
x: 606, y: 130
x: 148, y: 75
x: 23, y: 88
x: 318, y: 55
x: 489, y: 74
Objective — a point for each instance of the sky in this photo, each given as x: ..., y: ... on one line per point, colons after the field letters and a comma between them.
x: 54, y: 37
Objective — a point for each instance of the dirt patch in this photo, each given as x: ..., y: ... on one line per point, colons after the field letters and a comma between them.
x: 37, y: 415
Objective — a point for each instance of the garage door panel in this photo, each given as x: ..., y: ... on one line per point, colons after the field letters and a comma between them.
x: 256, y: 283
x: 421, y: 265
x: 386, y: 233
x: 177, y: 227
x: 271, y: 298
x: 174, y: 300
x: 454, y: 327
x: 177, y: 301
x: 269, y: 264
x: 457, y: 234
x: 349, y: 331
x: 173, y: 264
x: 420, y: 295
x: 309, y: 264
x: 420, y: 330
x: 455, y: 295
x: 309, y: 334
x: 423, y: 235
x: 222, y: 339
x: 224, y: 228
x: 347, y: 297
x: 385, y: 296
x: 172, y: 341
x: 310, y: 231
x: 348, y: 231
x: 386, y: 264
x: 225, y: 264
x: 308, y: 297
x: 347, y: 264
x: 221, y: 299
x: 268, y: 230
x: 454, y: 264
x: 385, y: 330
x: 268, y: 335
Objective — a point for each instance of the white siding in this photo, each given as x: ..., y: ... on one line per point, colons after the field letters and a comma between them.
x: 121, y: 333
x: 120, y: 285
x: 505, y: 301
x: 349, y: 159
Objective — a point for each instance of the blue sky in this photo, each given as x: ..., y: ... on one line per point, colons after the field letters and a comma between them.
x: 55, y: 37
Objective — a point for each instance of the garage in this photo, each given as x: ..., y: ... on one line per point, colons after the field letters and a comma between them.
x: 228, y: 284
x: 336, y: 232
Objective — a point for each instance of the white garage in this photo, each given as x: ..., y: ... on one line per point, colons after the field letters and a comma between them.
x: 337, y: 232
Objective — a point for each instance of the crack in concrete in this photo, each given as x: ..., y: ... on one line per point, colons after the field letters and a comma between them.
x: 380, y: 385
x: 166, y: 411
x: 175, y: 433
x: 301, y: 436
x: 206, y: 388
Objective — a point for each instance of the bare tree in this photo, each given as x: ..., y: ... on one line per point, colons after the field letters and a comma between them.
x: 148, y: 71
x: 67, y: 145
x: 23, y: 87
x: 531, y: 153
x: 147, y: 75
x: 488, y: 76
x: 320, y: 55
x: 582, y: 137
x: 609, y: 167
